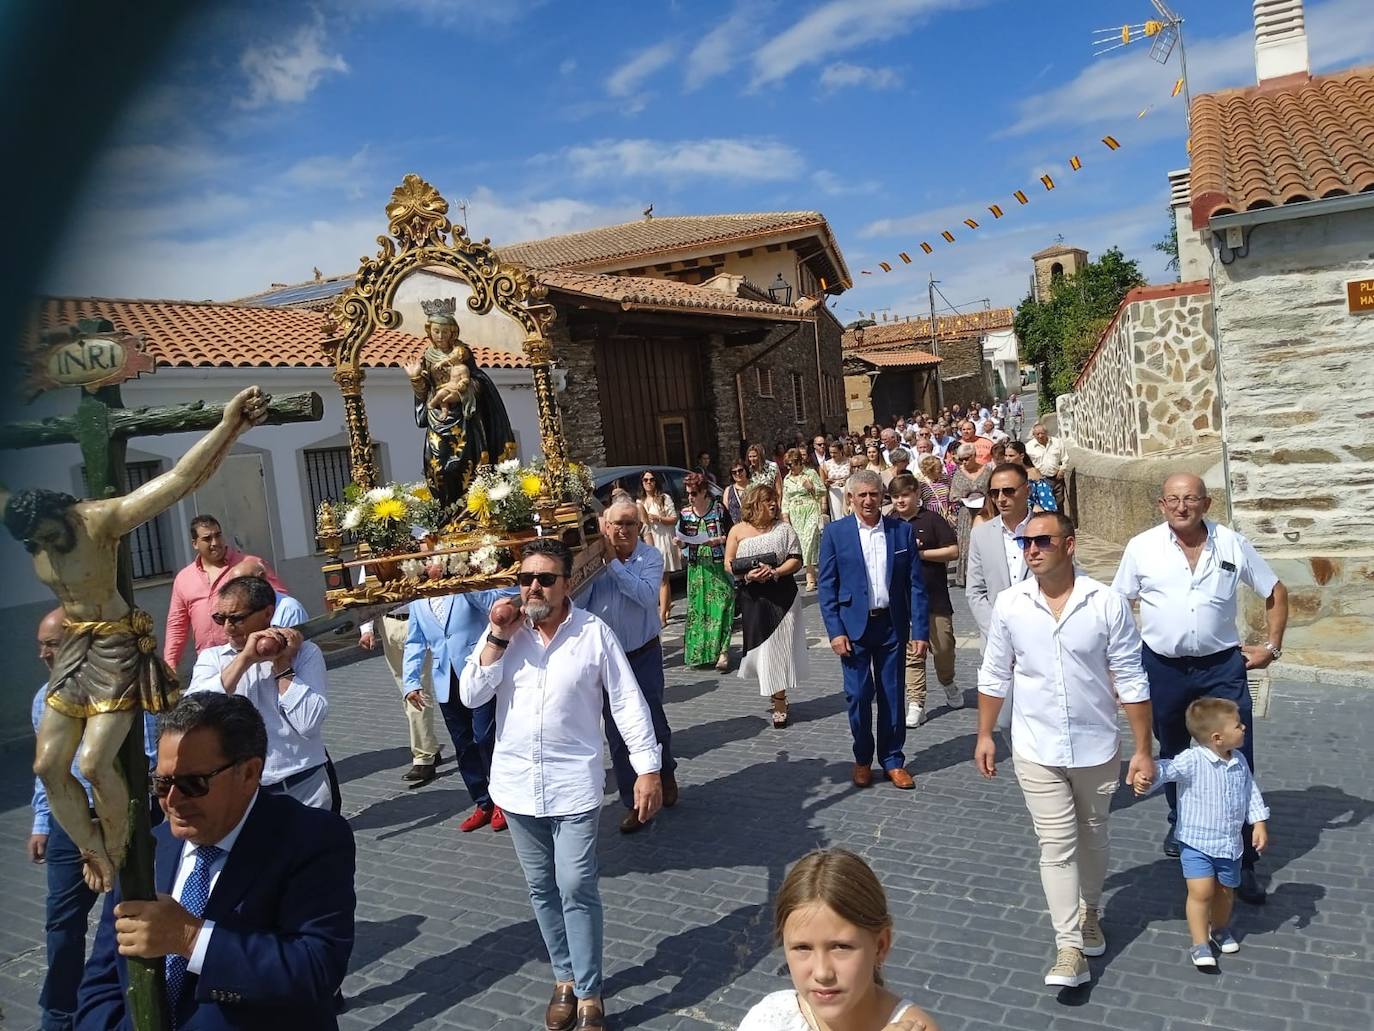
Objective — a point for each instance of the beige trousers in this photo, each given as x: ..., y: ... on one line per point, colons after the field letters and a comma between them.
x: 1069, y: 807
x: 941, y: 651
x: 424, y: 741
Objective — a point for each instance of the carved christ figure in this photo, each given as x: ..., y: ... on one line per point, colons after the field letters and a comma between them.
x: 107, y: 667
x: 458, y: 407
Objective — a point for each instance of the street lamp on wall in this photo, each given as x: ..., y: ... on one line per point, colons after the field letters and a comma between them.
x: 779, y: 291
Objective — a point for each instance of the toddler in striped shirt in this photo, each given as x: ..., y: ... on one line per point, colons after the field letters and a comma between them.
x: 1217, y: 795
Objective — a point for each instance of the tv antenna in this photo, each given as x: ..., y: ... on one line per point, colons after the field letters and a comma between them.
x: 1165, y: 32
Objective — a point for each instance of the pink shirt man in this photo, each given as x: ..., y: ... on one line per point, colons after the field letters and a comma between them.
x: 193, y: 594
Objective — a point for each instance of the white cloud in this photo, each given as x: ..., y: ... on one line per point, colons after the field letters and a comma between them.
x: 567, y: 66
x: 744, y: 160
x: 626, y: 80
x: 837, y: 27
x: 330, y: 171
x: 723, y: 47
x: 842, y: 75
x: 286, y: 73
x: 833, y: 185
x: 925, y: 224
x: 1112, y: 91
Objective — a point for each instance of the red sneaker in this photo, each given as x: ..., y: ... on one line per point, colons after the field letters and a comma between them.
x: 498, y: 819
x: 480, y: 818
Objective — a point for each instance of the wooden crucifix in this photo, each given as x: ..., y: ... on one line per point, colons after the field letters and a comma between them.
x: 81, y: 553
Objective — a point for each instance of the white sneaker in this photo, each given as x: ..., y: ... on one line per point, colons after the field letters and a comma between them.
x: 954, y: 696
x: 915, y: 715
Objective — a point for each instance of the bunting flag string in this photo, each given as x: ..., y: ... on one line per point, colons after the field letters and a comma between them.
x: 1075, y: 163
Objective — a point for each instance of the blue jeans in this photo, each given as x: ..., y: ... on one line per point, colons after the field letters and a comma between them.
x: 648, y: 670
x: 1177, y: 683
x: 474, y: 739
x: 69, y: 904
x: 875, y: 670
x: 558, y: 855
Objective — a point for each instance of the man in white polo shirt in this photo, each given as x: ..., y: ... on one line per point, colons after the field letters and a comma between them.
x: 1187, y: 573
x: 1071, y: 647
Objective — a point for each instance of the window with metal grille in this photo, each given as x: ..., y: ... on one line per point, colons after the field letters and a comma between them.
x: 327, y: 472
x: 148, y: 542
x: 798, y: 399
x: 765, y: 378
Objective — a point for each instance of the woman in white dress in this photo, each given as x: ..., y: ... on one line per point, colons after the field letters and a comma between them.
x: 832, y: 921
x: 836, y: 472
x: 660, y: 522
x: 763, y: 553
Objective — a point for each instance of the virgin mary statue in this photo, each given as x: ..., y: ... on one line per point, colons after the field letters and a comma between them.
x: 458, y: 407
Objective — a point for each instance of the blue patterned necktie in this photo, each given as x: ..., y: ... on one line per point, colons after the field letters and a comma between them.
x: 195, y: 893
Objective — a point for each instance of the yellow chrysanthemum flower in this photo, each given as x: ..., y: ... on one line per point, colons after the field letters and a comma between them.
x: 531, y: 484
x: 389, y: 508
x: 421, y: 493
x: 477, y: 501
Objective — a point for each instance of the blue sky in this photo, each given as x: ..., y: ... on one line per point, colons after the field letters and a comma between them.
x: 270, y: 143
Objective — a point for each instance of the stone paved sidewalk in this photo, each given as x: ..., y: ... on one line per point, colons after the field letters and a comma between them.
x: 446, y: 938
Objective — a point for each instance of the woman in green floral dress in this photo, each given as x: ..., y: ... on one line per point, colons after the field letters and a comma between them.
x: 802, y: 494
x: 702, y: 528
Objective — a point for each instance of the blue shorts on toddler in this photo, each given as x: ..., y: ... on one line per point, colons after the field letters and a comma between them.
x: 1200, y: 864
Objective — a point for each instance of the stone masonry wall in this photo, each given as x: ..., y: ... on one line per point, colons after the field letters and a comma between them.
x: 1298, y: 370
x: 580, y: 400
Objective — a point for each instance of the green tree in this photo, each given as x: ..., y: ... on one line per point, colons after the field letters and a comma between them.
x: 1169, y: 244
x: 861, y: 324
x: 1058, y: 333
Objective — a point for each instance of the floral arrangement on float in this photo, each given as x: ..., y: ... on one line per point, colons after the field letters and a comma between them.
x: 384, y: 518
x: 504, y: 496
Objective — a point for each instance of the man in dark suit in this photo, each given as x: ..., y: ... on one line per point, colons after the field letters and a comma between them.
x: 254, y: 914
x: 873, y: 602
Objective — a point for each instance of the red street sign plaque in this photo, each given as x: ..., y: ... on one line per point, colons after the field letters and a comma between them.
x: 1360, y: 294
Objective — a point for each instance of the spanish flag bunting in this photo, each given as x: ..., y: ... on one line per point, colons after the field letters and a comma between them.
x: 865, y: 272
x: 949, y: 237
x: 926, y: 247
x: 1111, y: 143
x: 1047, y: 181
x: 970, y: 223
x: 885, y: 266
x: 996, y: 211
x: 1019, y: 195
x: 824, y: 284
x: 1178, y: 88
x: 905, y: 257
x: 1125, y: 34
x: 1075, y: 163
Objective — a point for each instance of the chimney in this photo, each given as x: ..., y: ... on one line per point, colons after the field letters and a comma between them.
x: 1280, y: 40
x: 1194, y: 254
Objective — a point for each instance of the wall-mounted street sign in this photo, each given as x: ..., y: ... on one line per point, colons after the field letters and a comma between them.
x: 1360, y: 294
x: 89, y: 355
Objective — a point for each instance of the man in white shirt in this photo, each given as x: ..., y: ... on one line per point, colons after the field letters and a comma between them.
x: 1016, y: 413
x: 547, y: 663
x: 289, y: 611
x: 253, y: 920
x: 1070, y: 646
x: 1049, y: 457
x: 283, y: 675
x: 1187, y: 573
x: 993, y: 432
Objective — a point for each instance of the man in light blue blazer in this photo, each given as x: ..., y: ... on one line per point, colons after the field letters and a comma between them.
x: 873, y: 602
x: 448, y: 628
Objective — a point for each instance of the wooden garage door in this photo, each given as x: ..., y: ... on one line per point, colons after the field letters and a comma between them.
x: 653, y: 401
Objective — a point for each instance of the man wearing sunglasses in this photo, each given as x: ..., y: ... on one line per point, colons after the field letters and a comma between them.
x: 1070, y: 647
x: 1187, y: 573
x: 547, y: 664
x: 283, y: 675
x: 994, y: 560
x: 254, y: 916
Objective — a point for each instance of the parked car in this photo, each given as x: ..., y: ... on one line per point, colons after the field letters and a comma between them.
x: 670, y: 476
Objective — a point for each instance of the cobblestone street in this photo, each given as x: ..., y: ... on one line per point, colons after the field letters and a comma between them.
x: 445, y: 937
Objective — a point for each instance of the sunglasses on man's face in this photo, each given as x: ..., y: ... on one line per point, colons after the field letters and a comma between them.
x: 544, y: 579
x: 234, y: 618
x: 192, y: 785
x: 1000, y: 491
x: 1043, y: 541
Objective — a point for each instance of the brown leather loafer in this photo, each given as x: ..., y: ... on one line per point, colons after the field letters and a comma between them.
x: 901, y: 779
x: 591, y: 1016
x: 418, y: 775
x: 630, y: 822
x: 669, y: 790
x: 562, y: 1011
x: 862, y: 775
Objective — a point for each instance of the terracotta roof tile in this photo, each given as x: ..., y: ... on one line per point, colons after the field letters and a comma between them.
x: 643, y: 292
x: 950, y: 327
x: 1282, y: 143
x: 202, y: 335
x: 907, y: 356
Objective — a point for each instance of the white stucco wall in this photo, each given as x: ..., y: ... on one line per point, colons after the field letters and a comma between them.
x: 1298, y: 372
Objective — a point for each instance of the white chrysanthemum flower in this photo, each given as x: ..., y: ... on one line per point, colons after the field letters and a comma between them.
x: 457, y: 563
x: 508, y: 466
x: 412, y: 567
x: 377, y: 494
x: 352, y: 518
x: 490, y: 566
x: 498, y: 492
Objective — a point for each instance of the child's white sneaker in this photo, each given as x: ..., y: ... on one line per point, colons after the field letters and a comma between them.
x: 1202, y: 957
x: 1223, y: 939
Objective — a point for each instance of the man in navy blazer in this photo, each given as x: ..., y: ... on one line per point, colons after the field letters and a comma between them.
x: 448, y: 628
x: 254, y: 915
x: 873, y: 602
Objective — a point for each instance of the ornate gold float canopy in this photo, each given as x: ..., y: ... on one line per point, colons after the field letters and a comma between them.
x: 422, y: 236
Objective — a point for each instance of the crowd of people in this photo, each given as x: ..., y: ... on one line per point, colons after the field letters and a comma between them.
x: 255, y: 865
